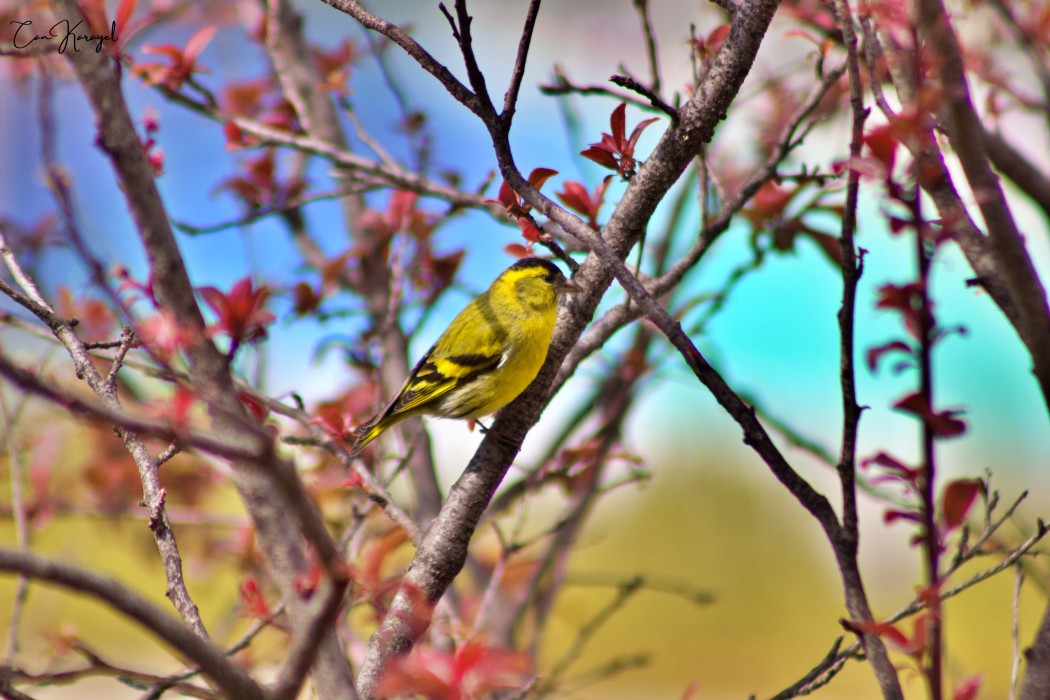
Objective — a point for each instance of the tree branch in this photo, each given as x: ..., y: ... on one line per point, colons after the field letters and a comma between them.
x: 213, y: 662
x: 152, y: 491
x: 441, y: 554
x: 269, y: 486
x: 966, y: 135
x: 847, y: 539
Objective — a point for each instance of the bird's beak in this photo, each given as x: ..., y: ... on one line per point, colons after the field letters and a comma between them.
x: 568, y: 287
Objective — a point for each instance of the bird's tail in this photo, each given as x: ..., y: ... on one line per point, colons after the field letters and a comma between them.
x: 369, y: 432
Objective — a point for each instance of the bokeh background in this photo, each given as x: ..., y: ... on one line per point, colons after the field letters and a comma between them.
x: 711, y: 517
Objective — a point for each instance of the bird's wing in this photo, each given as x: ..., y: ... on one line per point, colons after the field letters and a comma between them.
x: 466, y: 351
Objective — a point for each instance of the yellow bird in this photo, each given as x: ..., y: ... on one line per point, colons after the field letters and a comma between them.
x: 487, y: 356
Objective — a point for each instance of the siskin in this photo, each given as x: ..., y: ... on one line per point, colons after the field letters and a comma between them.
x: 487, y: 356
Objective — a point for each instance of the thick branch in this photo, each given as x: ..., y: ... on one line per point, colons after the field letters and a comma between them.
x: 966, y: 134
x: 1011, y: 163
x: 212, y: 660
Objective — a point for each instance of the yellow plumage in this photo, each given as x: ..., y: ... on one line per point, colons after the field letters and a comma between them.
x: 487, y: 356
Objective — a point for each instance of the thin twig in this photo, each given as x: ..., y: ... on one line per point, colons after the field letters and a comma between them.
x: 1015, y: 639
x: 821, y: 673
x: 848, y: 536
x: 588, y: 630
x: 123, y: 420
x: 18, y: 507
x: 563, y: 86
x: 626, y: 81
x: 642, y: 7
x: 510, y: 100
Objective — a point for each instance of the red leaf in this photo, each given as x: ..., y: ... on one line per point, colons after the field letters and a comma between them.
x: 259, y: 185
x: 507, y: 196
x: 830, y: 245
x: 892, y: 516
x: 717, y: 35
x: 539, y: 176
x: 913, y: 646
x: 307, y: 299
x: 880, y: 629
x: 575, y: 196
x: 691, y: 690
x: 882, y: 142
x: 164, y: 335
x: 515, y: 205
x: 600, y: 156
x: 196, y: 43
x: 240, y: 313
x: 183, y: 62
x: 306, y: 584
x: 353, y: 481
x: 138, y: 289
x: 615, y: 151
x: 967, y: 690
x: 399, y: 208
x: 894, y: 466
x: 956, y: 500
x: 435, y: 273
x: 769, y: 203
x: 517, y: 250
x: 637, y: 132
x: 95, y: 319
x: 470, y: 671
x: 904, y: 298
x: 529, y: 230
x: 244, y: 98
x: 875, y: 354
x: 253, y: 599
x: 181, y: 403
x: 253, y: 405
x: 125, y: 9
x: 944, y: 424
x: 617, y: 124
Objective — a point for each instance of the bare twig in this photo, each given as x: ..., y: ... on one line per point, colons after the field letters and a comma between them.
x: 626, y: 81
x: 854, y: 651
x: 619, y: 316
x: 510, y: 100
x: 172, y: 681
x: 563, y: 86
x: 1015, y: 640
x: 642, y: 8
x: 124, y: 421
x: 846, y: 541
x: 587, y: 631
x: 821, y: 674
x: 371, y: 173
x: 106, y: 391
